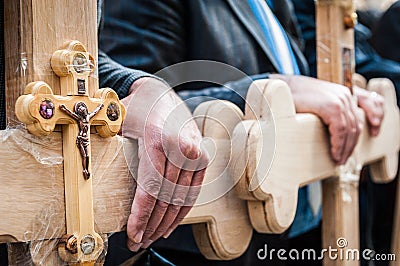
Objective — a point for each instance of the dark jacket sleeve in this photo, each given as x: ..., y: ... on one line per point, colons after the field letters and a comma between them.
x: 116, y: 76
x: 386, y: 36
x: 370, y: 64
x: 145, y: 35
x: 234, y: 91
x: 112, y: 74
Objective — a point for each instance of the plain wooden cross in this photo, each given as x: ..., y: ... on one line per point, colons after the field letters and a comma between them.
x: 335, y: 53
x: 335, y: 57
x: 300, y: 154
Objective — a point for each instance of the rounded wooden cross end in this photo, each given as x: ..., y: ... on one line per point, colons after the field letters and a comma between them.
x: 80, y: 249
x: 385, y: 169
x: 112, y: 115
x: 37, y: 108
x: 72, y: 59
x: 225, y: 232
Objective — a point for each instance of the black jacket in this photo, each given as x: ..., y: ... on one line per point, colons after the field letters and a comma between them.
x: 151, y: 35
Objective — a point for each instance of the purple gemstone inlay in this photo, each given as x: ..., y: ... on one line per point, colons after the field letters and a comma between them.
x: 46, y: 109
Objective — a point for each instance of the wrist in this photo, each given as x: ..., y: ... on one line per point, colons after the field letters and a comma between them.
x: 137, y: 84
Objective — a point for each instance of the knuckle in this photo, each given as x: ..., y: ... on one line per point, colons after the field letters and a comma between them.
x: 199, y: 179
x: 191, y: 198
x: 147, y: 200
x: 158, y: 233
x: 336, y: 106
x: 341, y: 128
x: 346, y: 91
x: 179, y: 219
x: 158, y: 146
x: 179, y: 197
x: 142, y: 219
x: 149, y: 231
x: 174, y: 209
x: 189, y: 149
x: 161, y: 204
x: 152, y: 185
x: 164, y: 197
x: 185, y: 181
x: 178, y: 201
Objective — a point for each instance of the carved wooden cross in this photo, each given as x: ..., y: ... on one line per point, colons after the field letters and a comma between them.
x: 41, y: 111
x: 35, y: 29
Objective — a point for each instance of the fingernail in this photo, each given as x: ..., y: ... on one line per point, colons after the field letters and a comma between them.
x: 336, y: 159
x: 147, y: 243
x: 168, y: 233
x: 134, y: 246
x: 374, y: 121
x: 375, y: 132
x: 138, y: 237
x: 339, y: 162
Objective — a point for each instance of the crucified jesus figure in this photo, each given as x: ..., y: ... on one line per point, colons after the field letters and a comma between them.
x: 82, y: 116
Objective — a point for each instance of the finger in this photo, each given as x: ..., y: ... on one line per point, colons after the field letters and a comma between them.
x: 176, y: 196
x: 191, y: 198
x: 132, y: 246
x: 353, y: 129
x: 373, y: 106
x: 174, y: 212
x: 375, y: 115
x: 184, y: 192
x: 177, y: 201
x: 164, y: 198
x: 338, y: 133
x: 179, y: 218
x: 374, y: 122
x: 374, y: 131
x: 150, y: 175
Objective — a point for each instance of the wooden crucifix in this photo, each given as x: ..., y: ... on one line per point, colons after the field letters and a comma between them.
x: 34, y: 30
x: 58, y: 206
x: 41, y: 111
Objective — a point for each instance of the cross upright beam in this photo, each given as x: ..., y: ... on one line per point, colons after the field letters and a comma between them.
x: 335, y: 22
